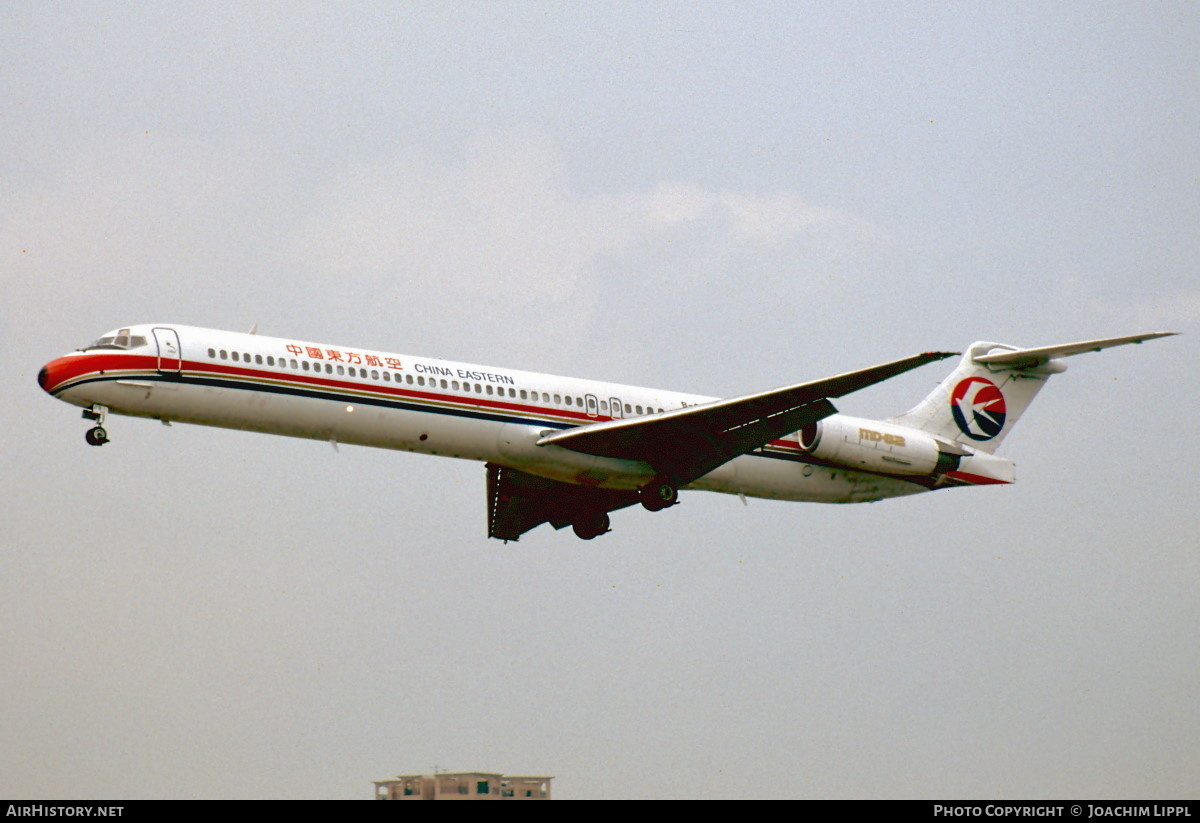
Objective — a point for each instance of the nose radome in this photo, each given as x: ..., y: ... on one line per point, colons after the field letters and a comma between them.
x: 52, y: 374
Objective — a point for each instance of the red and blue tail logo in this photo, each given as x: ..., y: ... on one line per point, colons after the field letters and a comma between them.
x: 978, y: 408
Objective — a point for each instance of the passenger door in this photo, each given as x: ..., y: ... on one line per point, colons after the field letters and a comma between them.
x: 170, y: 361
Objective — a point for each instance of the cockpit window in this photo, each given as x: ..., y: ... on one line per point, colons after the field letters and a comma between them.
x: 121, y: 339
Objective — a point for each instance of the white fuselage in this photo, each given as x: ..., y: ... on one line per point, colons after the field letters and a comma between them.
x: 418, y: 404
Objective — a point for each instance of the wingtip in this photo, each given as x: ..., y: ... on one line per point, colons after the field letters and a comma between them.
x: 1154, y: 335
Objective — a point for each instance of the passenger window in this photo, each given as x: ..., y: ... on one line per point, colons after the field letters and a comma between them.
x: 212, y: 354
x: 329, y: 368
x: 524, y: 394
x: 387, y: 377
x: 639, y: 409
x: 488, y: 388
x: 374, y: 374
x: 294, y: 366
x: 558, y: 399
x: 270, y: 360
x: 604, y: 406
x: 235, y: 357
x: 628, y: 409
x: 455, y: 385
x: 443, y: 383
x: 306, y: 366
x: 341, y: 369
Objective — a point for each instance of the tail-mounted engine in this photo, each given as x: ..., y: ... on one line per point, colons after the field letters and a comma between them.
x: 875, y: 446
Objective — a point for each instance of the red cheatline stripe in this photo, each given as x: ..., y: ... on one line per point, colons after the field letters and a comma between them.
x: 69, y: 369
x: 66, y: 369
x: 976, y: 479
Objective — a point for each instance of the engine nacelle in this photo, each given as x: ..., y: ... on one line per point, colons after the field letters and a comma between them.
x: 876, y: 446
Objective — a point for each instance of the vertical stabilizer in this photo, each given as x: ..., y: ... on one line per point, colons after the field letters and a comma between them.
x: 978, y: 404
x: 982, y: 399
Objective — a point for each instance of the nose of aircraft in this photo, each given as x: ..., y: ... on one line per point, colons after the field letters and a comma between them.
x: 54, y: 373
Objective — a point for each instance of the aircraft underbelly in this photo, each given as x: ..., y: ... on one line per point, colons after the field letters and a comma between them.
x: 758, y: 476
x: 319, y: 419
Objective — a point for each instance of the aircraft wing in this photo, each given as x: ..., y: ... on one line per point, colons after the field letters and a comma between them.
x: 518, y: 502
x: 684, y: 444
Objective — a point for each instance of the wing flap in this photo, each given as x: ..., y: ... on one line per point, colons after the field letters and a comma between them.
x: 518, y: 502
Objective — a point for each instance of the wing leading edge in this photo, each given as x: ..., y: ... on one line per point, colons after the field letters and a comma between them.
x: 685, y: 444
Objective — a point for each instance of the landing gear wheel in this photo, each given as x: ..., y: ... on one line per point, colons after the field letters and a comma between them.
x: 591, y: 526
x: 658, y: 494
x: 96, y: 436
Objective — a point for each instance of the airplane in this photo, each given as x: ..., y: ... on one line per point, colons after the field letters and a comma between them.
x: 566, y: 451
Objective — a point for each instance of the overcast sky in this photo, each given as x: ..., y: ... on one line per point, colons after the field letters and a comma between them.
x: 709, y: 197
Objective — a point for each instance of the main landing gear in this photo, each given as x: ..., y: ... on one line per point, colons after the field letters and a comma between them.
x: 658, y: 494
x: 593, y: 525
x: 96, y: 436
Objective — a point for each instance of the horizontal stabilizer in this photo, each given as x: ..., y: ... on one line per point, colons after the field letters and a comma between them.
x: 1025, y: 358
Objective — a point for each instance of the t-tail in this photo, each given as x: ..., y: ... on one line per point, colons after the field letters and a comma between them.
x: 982, y: 399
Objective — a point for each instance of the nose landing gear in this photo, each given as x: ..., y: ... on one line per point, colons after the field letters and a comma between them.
x: 96, y: 436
